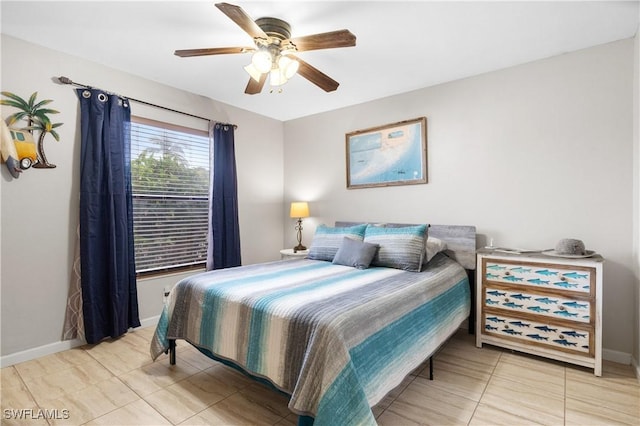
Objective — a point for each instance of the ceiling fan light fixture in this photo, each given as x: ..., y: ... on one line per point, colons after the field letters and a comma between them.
x: 253, y: 71
x: 277, y: 77
x: 289, y: 67
x: 262, y: 60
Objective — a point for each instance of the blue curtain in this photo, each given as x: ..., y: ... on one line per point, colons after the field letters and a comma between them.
x: 223, y: 249
x: 108, y: 273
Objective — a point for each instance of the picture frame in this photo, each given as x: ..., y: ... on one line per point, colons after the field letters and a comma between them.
x: 388, y: 155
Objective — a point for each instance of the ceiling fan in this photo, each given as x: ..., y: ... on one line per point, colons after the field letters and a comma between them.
x: 273, y: 53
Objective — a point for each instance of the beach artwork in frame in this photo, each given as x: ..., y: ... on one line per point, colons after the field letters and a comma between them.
x: 393, y: 154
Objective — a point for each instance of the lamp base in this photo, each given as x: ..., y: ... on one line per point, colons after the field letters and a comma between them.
x: 298, y: 248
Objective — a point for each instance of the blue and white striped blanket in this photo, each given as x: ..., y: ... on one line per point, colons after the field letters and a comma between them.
x: 335, y: 338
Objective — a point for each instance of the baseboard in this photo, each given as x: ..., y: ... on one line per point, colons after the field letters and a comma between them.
x: 40, y: 351
x: 616, y: 356
x: 636, y: 367
x: 52, y: 348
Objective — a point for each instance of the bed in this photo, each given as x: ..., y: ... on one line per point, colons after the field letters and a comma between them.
x: 335, y: 338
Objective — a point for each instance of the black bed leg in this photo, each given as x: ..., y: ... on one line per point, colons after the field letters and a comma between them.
x: 472, y: 313
x: 172, y: 351
x: 430, y: 368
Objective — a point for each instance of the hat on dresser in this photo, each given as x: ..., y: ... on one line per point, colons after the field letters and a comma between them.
x: 570, y: 247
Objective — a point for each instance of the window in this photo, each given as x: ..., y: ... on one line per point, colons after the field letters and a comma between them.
x: 170, y: 183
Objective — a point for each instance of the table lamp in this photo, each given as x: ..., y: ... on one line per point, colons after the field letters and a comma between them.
x: 299, y: 209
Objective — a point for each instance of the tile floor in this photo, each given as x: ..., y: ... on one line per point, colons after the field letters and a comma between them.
x: 115, y: 383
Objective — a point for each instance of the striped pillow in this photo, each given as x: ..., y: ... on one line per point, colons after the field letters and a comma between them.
x: 400, y: 248
x: 327, y: 240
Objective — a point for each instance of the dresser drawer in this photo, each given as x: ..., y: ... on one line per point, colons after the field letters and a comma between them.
x: 538, y: 333
x: 551, y: 306
x: 574, y: 279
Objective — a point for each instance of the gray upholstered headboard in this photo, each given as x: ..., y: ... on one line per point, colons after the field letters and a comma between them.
x: 460, y: 239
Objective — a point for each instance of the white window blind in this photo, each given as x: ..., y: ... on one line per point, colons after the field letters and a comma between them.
x: 170, y: 183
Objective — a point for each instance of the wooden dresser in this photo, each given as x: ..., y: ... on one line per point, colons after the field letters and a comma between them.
x: 543, y: 305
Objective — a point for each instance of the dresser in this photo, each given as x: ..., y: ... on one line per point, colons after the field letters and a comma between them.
x: 543, y: 305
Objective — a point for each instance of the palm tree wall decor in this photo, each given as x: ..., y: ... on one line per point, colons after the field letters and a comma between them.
x: 37, y: 118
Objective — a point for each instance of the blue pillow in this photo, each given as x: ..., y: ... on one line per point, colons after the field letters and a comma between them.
x: 327, y: 240
x: 400, y: 248
x: 355, y: 253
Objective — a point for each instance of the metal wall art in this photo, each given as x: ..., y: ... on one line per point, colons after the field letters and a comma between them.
x: 19, y: 149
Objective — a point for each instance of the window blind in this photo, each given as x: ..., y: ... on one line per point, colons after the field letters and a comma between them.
x: 170, y: 185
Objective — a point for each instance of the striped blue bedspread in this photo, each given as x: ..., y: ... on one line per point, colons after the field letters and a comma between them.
x: 335, y: 338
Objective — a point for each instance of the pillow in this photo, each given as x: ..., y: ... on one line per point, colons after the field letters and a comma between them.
x: 400, y: 248
x: 355, y: 253
x: 327, y: 240
x: 434, y: 246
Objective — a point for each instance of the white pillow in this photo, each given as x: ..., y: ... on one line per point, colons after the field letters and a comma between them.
x: 434, y: 246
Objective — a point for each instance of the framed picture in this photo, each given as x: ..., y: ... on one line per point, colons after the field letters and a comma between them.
x: 393, y: 154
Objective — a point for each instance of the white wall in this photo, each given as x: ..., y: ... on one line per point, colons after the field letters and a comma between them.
x: 529, y: 155
x: 40, y: 209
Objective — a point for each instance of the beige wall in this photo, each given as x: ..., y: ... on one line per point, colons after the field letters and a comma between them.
x: 529, y: 155
x: 40, y: 209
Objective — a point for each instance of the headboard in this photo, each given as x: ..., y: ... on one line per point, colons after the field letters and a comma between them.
x: 460, y: 239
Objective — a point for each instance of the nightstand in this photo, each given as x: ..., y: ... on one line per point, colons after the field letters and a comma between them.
x: 289, y: 254
x: 542, y: 305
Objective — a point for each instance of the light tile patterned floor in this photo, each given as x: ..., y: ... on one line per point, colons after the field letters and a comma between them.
x: 115, y: 383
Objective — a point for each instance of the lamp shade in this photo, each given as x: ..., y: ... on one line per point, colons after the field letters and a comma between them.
x: 299, y: 209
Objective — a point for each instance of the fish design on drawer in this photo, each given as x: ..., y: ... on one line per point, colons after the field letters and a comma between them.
x: 513, y: 305
x: 546, y: 328
x: 565, y: 284
x: 573, y: 333
x: 512, y: 278
x: 537, y: 309
x: 546, y: 272
x: 575, y: 275
x: 512, y: 332
x: 520, y: 269
x: 537, y: 337
x: 565, y: 314
x: 520, y: 296
x: 538, y: 281
x: 496, y: 267
x: 546, y: 300
x: 564, y: 342
x: 576, y: 305
x: 496, y: 293
x: 519, y: 323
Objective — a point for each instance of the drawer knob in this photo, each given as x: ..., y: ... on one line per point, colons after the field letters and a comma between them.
x: 506, y: 299
x: 561, y: 336
x: 562, y: 308
x: 507, y: 273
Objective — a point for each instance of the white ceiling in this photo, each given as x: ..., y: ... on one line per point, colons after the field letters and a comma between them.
x: 401, y: 46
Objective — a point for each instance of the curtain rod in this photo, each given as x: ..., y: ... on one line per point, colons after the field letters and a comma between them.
x: 67, y: 80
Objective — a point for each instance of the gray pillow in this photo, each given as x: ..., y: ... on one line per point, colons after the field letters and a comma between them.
x: 355, y: 253
x: 327, y: 240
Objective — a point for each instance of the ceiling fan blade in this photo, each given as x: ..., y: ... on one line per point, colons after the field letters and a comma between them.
x: 316, y: 76
x: 240, y: 17
x: 339, y: 38
x: 255, y: 87
x: 211, y: 51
